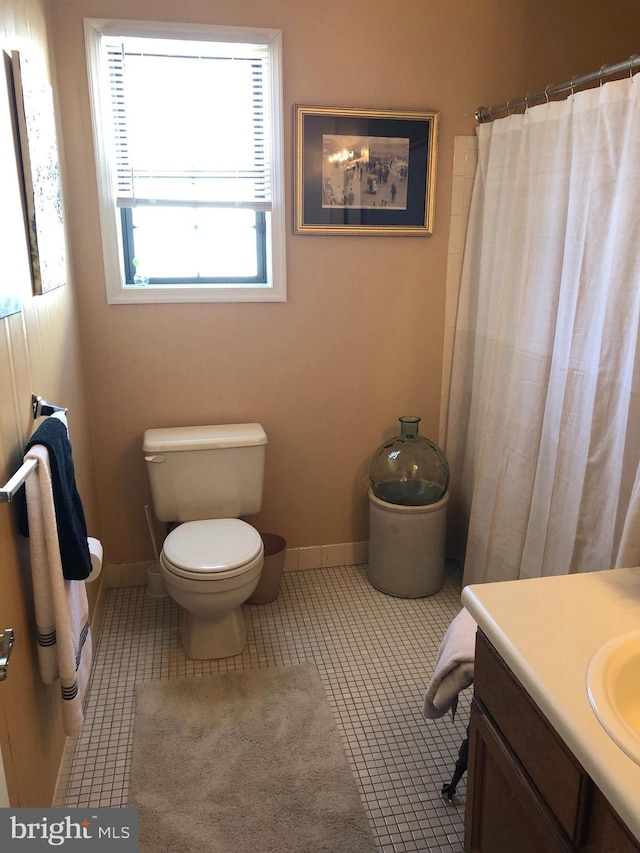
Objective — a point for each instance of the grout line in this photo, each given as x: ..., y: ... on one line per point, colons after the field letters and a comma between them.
x: 375, y: 655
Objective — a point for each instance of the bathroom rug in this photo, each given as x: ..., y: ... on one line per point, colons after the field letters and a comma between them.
x: 243, y: 761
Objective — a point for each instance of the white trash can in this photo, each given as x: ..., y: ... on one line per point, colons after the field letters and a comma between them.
x: 407, y: 547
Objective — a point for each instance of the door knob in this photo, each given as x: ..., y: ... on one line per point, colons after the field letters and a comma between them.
x: 6, y: 645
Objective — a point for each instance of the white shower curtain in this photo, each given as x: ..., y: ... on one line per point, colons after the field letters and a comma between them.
x: 544, y: 418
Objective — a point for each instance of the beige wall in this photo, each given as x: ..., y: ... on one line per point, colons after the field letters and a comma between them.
x: 39, y: 353
x: 360, y: 340
x: 358, y: 343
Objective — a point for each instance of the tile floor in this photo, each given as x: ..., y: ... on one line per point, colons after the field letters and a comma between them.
x: 375, y: 655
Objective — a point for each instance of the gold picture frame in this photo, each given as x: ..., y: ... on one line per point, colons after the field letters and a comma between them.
x: 364, y: 172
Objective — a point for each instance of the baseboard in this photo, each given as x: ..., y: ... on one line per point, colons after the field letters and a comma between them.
x: 127, y: 574
x: 326, y: 556
x: 97, y: 611
x: 296, y: 559
x: 64, y: 774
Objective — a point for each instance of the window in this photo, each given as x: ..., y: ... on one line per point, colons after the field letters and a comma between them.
x: 187, y: 124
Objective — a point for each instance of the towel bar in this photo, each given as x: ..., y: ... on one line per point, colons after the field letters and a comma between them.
x: 40, y: 408
x: 11, y: 486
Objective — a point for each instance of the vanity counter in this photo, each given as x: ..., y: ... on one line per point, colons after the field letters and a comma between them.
x: 547, y: 630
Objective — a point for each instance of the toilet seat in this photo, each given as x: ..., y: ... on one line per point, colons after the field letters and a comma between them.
x: 211, y: 549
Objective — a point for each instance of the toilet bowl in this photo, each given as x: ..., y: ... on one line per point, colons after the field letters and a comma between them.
x: 210, y: 567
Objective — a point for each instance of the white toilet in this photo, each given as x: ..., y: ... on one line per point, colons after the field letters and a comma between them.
x: 207, y: 477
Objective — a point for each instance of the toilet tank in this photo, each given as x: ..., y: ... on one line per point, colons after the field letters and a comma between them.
x: 205, y: 471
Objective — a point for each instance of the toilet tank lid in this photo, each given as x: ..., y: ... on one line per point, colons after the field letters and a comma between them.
x: 203, y: 437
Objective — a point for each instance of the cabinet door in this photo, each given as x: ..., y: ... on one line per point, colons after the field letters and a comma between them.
x: 550, y: 767
x: 605, y: 832
x: 504, y: 811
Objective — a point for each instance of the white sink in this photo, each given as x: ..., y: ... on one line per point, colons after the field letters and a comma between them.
x: 613, y: 685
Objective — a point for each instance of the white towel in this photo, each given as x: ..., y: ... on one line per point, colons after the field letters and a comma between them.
x: 61, y: 606
x: 454, y: 667
x: 61, y: 416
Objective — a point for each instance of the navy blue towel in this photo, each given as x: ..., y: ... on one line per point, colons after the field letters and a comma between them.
x: 70, y: 520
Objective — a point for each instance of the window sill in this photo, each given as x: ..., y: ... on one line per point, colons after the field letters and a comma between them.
x: 149, y: 294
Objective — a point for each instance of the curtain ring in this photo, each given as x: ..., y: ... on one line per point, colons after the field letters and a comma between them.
x: 632, y: 59
x: 526, y: 102
x: 601, y: 73
x: 546, y: 91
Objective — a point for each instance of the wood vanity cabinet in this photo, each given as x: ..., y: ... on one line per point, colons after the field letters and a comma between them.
x: 526, y: 791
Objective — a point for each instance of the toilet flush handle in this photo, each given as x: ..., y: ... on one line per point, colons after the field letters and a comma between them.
x: 158, y: 457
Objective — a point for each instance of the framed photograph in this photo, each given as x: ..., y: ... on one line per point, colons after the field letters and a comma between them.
x: 11, y: 226
x: 41, y: 174
x: 362, y: 172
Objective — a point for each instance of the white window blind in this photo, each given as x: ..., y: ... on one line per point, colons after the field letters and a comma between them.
x: 190, y: 122
x: 187, y: 131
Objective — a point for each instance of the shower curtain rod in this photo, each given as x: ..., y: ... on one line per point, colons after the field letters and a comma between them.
x: 484, y: 114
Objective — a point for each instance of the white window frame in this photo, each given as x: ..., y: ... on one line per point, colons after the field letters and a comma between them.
x: 118, y: 291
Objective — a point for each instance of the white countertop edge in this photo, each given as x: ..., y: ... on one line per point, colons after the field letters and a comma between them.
x: 607, y: 764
